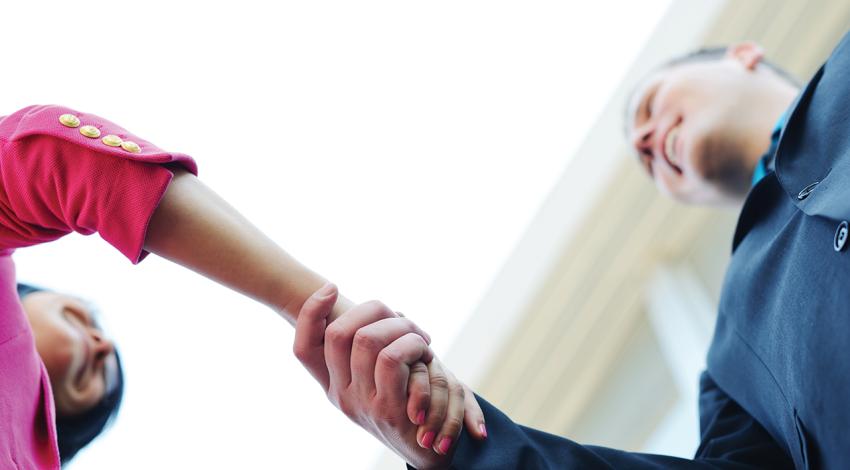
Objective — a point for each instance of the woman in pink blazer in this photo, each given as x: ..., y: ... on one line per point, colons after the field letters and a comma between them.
x: 64, y: 171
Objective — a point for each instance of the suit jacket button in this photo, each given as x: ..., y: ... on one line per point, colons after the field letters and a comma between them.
x: 840, y: 236
x: 804, y: 193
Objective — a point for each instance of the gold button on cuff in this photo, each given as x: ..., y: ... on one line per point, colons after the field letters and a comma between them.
x: 90, y: 131
x: 130, y: 146
x: 69, y: 120
x: 112, y: 140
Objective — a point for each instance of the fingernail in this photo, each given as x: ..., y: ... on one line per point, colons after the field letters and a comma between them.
x: 420, y: 417
x: 428, y: 439
x: 483, y: 430
x: 326, y: 291
x: 445, y: 445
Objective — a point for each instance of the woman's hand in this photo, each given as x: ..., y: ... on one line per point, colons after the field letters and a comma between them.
x: 372, y: 365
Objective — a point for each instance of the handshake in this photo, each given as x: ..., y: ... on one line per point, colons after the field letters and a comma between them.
x: 377, y: 368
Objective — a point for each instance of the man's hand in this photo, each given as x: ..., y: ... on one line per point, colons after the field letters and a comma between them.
x: 372, y: 365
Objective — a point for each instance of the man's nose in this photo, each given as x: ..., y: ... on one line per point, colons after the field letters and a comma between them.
x: 642, y: 141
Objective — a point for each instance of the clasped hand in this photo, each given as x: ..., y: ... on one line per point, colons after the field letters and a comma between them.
x: 378, y: 369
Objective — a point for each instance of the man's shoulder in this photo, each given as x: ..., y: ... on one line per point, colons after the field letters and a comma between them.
x: 813, y: 155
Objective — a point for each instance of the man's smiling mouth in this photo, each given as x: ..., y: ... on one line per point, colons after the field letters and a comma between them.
x: 670, y: 148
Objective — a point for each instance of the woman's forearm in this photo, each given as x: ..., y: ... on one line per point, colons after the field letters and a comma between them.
x: 196, y: 228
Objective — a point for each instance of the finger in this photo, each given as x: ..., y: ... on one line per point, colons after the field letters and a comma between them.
x: 369, y: 341
x: 339, y: 337
x: 473, y: 417
x: 392, y: 369
x: 310, y: 332
x: 421, y: 331
x: 418, y: 393
x: 438, y: 382
x: 453, y: 422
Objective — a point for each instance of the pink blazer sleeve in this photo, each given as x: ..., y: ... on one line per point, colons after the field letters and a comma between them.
x: 59, y: 172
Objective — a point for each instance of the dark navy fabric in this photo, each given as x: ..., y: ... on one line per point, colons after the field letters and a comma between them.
x: 776, y: 393
x: 731, y: 439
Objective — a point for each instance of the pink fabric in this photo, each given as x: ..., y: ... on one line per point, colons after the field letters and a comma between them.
x: 53, y: 181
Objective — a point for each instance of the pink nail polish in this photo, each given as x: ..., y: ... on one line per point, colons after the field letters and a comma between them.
x: 483, y: 430
x: 428, y: 439
x: 445, y: 445
x: 420, y: 417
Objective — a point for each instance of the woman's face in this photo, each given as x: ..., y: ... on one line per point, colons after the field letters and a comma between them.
x: 80, y: 361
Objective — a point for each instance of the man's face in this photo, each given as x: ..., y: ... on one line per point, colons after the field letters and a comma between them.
x: 696, y: 128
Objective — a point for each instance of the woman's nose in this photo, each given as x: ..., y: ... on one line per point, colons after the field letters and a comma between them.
x: 102, y: 345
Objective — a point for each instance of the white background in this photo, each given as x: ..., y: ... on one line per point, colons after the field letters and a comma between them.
x: 398, y: 148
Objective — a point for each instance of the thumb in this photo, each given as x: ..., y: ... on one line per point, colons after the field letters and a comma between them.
x: 310, y: 332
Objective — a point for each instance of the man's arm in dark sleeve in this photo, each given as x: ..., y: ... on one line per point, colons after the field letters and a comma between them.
x: 730, y: 439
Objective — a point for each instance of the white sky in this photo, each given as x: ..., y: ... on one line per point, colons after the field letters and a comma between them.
x: 398, y: 148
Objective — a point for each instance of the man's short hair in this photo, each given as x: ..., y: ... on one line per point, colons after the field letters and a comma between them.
x: 706, y: 54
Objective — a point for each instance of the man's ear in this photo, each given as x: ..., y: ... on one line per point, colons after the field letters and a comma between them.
x: 748, y: 53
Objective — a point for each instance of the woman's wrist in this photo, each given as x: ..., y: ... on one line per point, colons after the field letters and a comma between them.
x: 290, y: 310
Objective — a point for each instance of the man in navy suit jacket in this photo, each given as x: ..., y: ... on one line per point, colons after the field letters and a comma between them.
x: 731, y: 129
